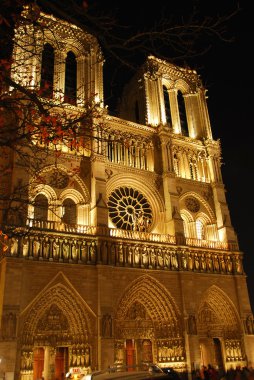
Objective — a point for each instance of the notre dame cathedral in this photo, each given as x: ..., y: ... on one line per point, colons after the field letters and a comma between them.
x: 130, y: 258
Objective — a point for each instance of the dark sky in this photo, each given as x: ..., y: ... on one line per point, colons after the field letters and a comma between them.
x: 226, y: 72
x: 230, y: 104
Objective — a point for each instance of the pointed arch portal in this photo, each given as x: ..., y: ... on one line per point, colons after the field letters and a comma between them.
x: 148, y: 325
x: 58, y: 328
x: 219, y: 330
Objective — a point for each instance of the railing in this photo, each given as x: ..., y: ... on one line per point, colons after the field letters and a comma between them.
x: 140, y: 235
x: 87, y: 249
x: 132, y: 235
x: 212, y: 244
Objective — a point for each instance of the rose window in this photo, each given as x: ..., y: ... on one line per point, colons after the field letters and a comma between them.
x: 129, y: 209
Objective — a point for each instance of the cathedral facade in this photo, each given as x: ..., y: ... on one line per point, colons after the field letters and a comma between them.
x: 122, y: 251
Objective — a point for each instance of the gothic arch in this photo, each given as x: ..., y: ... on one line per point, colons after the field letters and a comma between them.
x: 45, y: 190
x: 182, y: 86
x: 60, y: 293
x: 203, y: 202
x: 72, y: 194
x: 217, y: 314
x: 66, y: 171
x: 168, y: 83
x: 153, y: 296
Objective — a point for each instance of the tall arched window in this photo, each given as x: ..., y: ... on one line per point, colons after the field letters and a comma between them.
x: 41, y: 207
x: 182, y: 114
x: 176, y: 164
x: 70, y: 211
x: 70, y: 90
x: 47, y: 71
x: 200, y: 229
x: 167, y: 105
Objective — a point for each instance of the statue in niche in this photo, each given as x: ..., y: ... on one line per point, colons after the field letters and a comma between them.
x: 78, y: 358
x: 249, y: 325
x: 209, y: 262
x: 46, y: 248
x: 144, y: 257
x: 229, y: 265
x: 152, y: 258
x: 120, y: 254
x: 222, y: 264
x: 136, y: 255
x: 192, y: 326
x: 84, y: 249
x: 93, y: 252
x: 74, y: 357
x: 174, y: 261
x: 36, y: 247
x: 107, y: 325
x: 130, y: 254
x: 87, y: 357
x: 56, y: 249
x: 160, y: 259
x: 14, y: 246
x: 74, y: 250
x: 202, y: 262
x: 216, y: 264
x: 25, y: 247
x: 238, y: 265
x: 66, y: 249
x: 167, y: 259
x: 196, y: 261
x: 184, y: 261
x: 190, y: 261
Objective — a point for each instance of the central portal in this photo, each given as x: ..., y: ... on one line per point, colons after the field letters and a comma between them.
x: 50, y: 363
x: 138, y: 352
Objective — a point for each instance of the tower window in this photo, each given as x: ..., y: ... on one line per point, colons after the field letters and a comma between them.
x: 70, y: 91
x: 200, y: 229
x: 70, y: 212
x: 167, y: 105
x: 41, y: 207
x: 182, y: 114
x: 47, y: 71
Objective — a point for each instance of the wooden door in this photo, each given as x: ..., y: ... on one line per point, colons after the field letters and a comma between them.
x: 38, y: 363
x: 130, y: 354
x: 60, y: 363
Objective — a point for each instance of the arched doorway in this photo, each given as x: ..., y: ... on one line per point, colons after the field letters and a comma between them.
x: 56, y: 334
x: 219, y: 331
x: 147, y: 326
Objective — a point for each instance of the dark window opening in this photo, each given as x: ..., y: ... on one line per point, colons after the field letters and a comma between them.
x: 47, y: 71
x: 70, y: 91
x: 167, y: 105
x: 41, y: 207
x: 70, y: 212
x: 182, y: 114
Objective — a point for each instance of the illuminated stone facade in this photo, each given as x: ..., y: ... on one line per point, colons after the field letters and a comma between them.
x: 133, y: 258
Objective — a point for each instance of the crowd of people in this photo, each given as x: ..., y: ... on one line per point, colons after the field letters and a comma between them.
x: 210, y: 373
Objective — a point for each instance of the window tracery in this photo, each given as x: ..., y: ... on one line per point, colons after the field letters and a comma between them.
x: 129, y: 209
